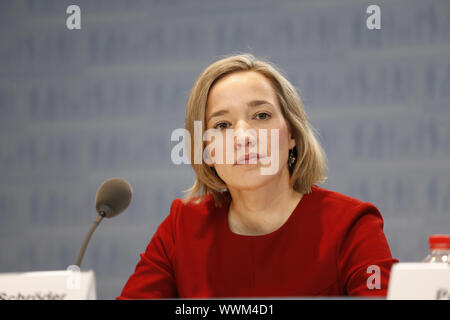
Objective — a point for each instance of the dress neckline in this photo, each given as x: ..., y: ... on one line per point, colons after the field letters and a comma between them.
x: 284, y: 226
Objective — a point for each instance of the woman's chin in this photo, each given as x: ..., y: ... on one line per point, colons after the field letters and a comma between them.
x: 249, y: 181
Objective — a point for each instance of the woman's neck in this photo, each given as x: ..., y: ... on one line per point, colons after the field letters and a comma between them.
x: 262, y: 210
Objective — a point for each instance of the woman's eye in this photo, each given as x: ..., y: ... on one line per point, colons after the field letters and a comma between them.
x: 259, y: 116
x: 221, y: 125
x: 264, y: 114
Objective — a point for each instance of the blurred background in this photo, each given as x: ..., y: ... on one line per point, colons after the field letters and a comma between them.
x: 80, y: 106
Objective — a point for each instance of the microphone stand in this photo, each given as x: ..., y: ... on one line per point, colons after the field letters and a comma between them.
x: 100, y: 216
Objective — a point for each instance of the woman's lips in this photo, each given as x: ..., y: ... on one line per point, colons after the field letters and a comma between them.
x: 245, y: 160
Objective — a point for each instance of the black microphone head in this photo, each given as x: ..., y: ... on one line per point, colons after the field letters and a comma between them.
x: 113, y: 197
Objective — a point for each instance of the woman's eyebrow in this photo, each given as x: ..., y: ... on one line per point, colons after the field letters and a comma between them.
x: 253, y: 103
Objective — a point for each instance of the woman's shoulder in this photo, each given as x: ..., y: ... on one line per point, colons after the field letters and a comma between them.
x: 339, y: 205
x: 192, y: 216
x: 197, y: 206
x: 329, y: 197
x: 342, y: 212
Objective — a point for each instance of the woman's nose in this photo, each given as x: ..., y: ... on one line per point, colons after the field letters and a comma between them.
x: 245, y: 135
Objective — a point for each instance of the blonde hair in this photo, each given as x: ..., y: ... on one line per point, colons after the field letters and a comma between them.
x: 310, y: 166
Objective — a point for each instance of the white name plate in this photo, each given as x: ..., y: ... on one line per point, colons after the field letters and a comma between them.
x: 419, y: 281
x: 48, y: 285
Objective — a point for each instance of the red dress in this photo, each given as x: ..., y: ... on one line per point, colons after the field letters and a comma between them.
x: 331, y: 245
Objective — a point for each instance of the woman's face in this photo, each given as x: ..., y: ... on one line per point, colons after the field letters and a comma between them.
x: 241, y: 101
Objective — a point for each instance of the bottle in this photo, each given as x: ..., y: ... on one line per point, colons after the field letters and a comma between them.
x: 439, y: 249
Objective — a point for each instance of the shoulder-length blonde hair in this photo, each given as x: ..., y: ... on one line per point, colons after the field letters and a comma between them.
x: 310, y: 165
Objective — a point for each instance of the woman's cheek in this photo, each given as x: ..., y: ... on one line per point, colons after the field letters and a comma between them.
x: 283, y: 141
x: 217, y: 151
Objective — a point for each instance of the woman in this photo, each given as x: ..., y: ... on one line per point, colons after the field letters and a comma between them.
x: 241, y: 233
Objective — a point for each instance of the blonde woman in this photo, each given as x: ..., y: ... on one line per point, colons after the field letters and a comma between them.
x: 241, y: 233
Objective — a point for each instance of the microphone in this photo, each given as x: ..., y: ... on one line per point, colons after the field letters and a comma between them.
x: 112, y: 198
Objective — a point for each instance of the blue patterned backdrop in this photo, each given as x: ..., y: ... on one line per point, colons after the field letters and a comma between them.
x: 80, y: 106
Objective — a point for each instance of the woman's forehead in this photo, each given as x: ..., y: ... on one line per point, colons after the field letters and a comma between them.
x: 241, y: 88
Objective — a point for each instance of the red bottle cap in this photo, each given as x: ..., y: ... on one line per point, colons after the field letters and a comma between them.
x: 439, y: 242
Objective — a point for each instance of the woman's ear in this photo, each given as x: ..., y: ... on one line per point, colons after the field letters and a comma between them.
x: 292, y: 142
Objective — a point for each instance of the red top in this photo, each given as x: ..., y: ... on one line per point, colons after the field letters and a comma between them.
x: 331, y: 245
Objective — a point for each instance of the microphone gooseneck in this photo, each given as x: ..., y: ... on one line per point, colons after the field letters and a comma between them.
x: 88, y: 237
x: 112, y: 198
